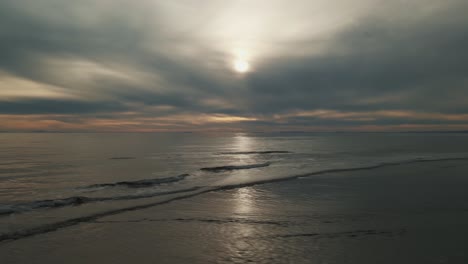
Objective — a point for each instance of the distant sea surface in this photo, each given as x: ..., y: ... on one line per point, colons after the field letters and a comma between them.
x: 51, y: 182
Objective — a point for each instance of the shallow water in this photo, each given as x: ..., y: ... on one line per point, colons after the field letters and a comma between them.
x: 51, y: 182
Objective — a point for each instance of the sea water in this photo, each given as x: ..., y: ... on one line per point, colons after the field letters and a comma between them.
x: 51, y: 182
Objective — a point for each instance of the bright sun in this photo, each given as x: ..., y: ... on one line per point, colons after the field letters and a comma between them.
x: 241, y: 65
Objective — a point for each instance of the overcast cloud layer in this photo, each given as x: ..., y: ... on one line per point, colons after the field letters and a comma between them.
x: 150, y: 65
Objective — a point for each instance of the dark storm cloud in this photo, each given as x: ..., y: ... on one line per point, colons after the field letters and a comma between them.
x: 144, y: 58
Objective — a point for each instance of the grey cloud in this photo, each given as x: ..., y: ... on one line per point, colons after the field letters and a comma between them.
x: 401, y: 55
x: 423, y: 60
x: 58, y: 106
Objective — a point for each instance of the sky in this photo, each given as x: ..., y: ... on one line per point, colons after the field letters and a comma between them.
x: 240, y: 65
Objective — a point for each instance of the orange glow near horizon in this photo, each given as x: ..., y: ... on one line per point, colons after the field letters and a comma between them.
x: 134, y: 122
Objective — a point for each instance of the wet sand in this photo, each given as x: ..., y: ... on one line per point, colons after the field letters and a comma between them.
x: 413, y: 213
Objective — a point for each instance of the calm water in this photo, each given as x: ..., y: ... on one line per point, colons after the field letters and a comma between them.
x: 59, y: 181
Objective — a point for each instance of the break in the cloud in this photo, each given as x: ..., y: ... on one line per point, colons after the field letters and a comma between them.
x: 149, y: 65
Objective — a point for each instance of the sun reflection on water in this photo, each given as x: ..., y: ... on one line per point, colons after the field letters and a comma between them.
x: 244, y: 202
x: 242, y: 142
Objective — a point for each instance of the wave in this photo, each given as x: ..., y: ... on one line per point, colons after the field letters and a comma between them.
x: 122, y: 158
x: 338, y: 170
x: 195, y: 192
x: 204, y: 220
x: 349, y: 234
x: 47, y: 228
x: 10, y: 209
x: 79, y: 200
x: 257, y: 152
x: 140, y: 183
x: 235, y: 167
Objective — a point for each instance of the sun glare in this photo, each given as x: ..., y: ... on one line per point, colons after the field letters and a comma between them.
x: 241, y: 65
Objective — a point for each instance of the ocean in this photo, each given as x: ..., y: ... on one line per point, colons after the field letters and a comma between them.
x: 233, y: 198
